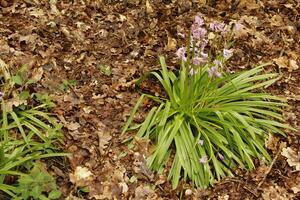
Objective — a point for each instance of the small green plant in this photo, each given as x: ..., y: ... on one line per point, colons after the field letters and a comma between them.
x: 66, y: 84
x: 38, y: 184
x: 211, y: 121
x: 105, y: 69
x: 27, y: 132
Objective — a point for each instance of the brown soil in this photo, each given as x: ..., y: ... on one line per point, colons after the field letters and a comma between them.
x: 76, y: 40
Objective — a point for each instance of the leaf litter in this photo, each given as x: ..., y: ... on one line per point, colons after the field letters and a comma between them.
x: 69, y: 40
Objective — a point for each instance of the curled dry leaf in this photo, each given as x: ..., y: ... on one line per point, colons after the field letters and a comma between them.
x: 81, y: 176
x: 104, y: 138
x: 296, y: 189
x: 171, y: 45
x: 124, y: 187
x: 284, y: 62
x: 293, y: 157
x: 72, y: 126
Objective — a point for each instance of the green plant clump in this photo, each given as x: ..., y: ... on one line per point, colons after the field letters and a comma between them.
x: 27, y: 133
x: 212, y: 121
x: 37, y: 184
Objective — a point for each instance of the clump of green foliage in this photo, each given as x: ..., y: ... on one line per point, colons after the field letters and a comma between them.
x: 38, y: 184
x: 212, y: 121
x: 27, y: 132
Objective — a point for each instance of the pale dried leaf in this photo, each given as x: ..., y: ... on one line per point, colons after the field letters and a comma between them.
x: 149, y: 8
x: 37, y: 74
x: 72, y: 126
x: 223, y: 197
x: 81, y: 176
x: 37, y: 13
x: 276, y: 193
x: 296, y: 188
x: 293, y: 65
x: 104, y: 138
x: 293, y: 157
x: 171, y: 45
x: 124, y: 187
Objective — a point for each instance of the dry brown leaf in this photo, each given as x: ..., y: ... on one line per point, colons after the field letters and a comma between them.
x: 296, y: 188
x: 81, y: 176
x: 276, y: 193
x: 53, y: 7
x: 14, y: 102
x: 284, y: 62
x: 149, y: 8
x: 250, y: 4
x: 104, y: 138
x: 276, y: 20
x: 223, y: 197
x: 124, y: 187
x: 144, y: 192
x: 37, y: 13
x: 171, y: 45
x: 72, y: 126
x: 293, y: 65
x: 293, y: 157
x: 272, y: 142
x: 37, y: 74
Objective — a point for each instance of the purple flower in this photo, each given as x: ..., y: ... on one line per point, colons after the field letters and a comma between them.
x: 238, y: 26
x: 204, y: 159
x: 1, y: 95
x: 199, y: 20
x: 204, y: 55
x: 217, y: 63
x: 200, y: 142
x: 200, y: 60
x: 198, y: 32
x: 213, y: 72
x: 227, y: 53
x: 203, y: 44
x: 218, y: 27
x: 181, y: 53
x: 220, y: 156
x: 197, y: 61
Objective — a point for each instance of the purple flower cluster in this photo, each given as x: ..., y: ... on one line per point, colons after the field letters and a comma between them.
x: 181, y: 53
x: 238, y: 26
x: 213, y: 72
x: 199, y: 39
x: 198, y: 42
x: 217, y: 27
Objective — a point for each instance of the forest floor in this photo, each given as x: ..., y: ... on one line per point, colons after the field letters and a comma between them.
x: 91, y: 52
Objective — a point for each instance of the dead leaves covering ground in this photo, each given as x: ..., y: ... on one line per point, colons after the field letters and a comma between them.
x: 106, y: 46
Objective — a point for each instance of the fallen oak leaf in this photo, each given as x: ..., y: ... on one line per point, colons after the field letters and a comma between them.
x: 293, y: 157
x: 284, y: 62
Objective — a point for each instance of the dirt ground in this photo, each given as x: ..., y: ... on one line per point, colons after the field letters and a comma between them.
x: 105, y: 46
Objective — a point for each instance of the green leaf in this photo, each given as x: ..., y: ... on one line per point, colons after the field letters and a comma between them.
x: 24, y: 95
x: 55, y: 194
x: 17, y: 79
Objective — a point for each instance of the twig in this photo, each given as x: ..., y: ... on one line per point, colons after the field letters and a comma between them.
x: 271, y: 166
